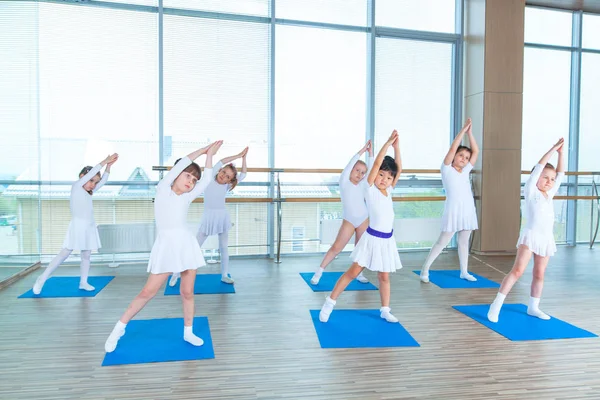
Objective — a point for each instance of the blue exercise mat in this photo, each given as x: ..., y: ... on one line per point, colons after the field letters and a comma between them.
x: 450, y: 279
x: 360, y: 328
x: 328, y: 280
x: 68, y: 286
x: 205, y: 284
x: 160, y: 340
x: 516, y: 325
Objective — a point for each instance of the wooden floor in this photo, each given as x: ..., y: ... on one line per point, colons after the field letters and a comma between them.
x: 9, y: 270
x: 266, y: 347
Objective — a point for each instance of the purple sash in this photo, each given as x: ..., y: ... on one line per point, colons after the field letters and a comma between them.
x: 378, y: 234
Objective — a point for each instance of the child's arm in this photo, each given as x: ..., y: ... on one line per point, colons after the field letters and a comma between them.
x: 398, y: 160
x: 244, y: 166
x: 560, y: 171
x: 546, y: 157
x: 539, y: 168
x: 174, y: 172
x: 345, y: 175
x: 456, y: 142
x: 229, y: 159
x: 105, y: 175
x: 379, y: 159
x: 84, y: 179
x: 207, y: 175
x: 474, y: 146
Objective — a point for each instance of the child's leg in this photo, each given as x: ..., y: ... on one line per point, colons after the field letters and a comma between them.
x: 359, y: 232
x: 539, y: 268
x: 85, y: 270
x: 345, y: 233
x: 463, y: 255
x: 339, y: 287
x: 186, y: 290
x: 384, y: 293
x: 201, y: 238
x: 56, y: 261
x: 437, y: 248
x: 224, y: 250
x: 521, y: 261
x: 153, y: 284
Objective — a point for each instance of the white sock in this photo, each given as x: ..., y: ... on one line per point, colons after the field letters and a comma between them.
x: 86, y: 286
x: 387, y: 315
x: 326, y: 309
x: 495, y: 307
x: 424, y: 276
x: 534, y: 309
x: 38, y: 285
x: 174, y: 278
x: 467, y: 276
x: 115, y: 335
x: 188, y: 336
x: 361, y: 278
x: 317, y: 276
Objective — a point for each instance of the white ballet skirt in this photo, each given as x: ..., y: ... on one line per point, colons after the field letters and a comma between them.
x: 376, y: 254
x: 175, y: 250
x: 215, y: 221
x: 82, y: 235
x: 215, y: 218
x: 538, y: 233
x: 459, y: 207
x: 540, y: 244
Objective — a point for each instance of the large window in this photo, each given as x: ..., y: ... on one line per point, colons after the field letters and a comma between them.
x: 413, y: 94
x: 320, y: 97
x: 421, y: 15
x: 19, y: 217
x: 561, y: 85
x: 304, y: 89
x: 546, y: 99
x: 216, y: 88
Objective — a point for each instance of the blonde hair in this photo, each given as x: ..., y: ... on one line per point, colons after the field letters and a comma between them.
x: 234, y: 180
x: 361, y: 162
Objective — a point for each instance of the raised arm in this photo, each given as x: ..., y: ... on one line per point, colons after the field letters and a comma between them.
x: 241, y: 154
x: 345, y: 175
x: 398, y: 159
x: 560, y: 167
x: 474, y: 146
x: 207, y: 175
x: 105, y: 174
x: 560, y: 172
x: 379, y: 159
x: 168, y: 180
x: 546, y: 157
x: 456, y: 142
x: 84, y: 179
x: 244, y: 166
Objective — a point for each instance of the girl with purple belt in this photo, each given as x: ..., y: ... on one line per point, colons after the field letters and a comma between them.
x: 376, y: 250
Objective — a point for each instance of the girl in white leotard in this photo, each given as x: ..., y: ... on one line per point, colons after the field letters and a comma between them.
x: 355, y: 215
x: 537, y: 237
x: 459, y: 216
x: 82, y: 234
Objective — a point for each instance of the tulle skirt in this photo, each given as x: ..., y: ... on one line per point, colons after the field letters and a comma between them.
x: 82, y: 235
x: 215, y: 221
x: 459, y: 216
x: 175, y: 250
x: 540, y: 244
x: 376, y: 254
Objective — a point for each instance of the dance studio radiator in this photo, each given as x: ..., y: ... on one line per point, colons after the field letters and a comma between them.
x: 126, y: 238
